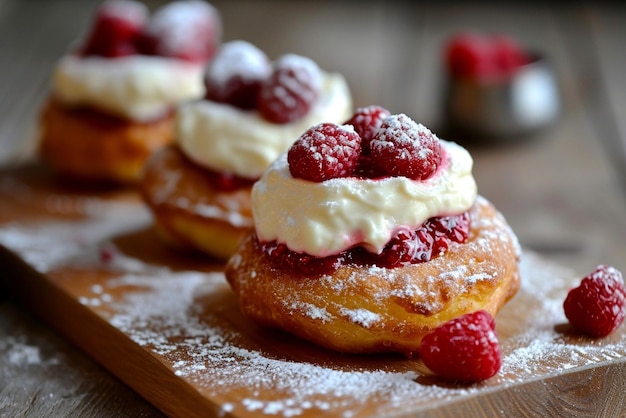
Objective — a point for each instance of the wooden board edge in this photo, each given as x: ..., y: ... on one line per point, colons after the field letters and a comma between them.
x: 40, y: 296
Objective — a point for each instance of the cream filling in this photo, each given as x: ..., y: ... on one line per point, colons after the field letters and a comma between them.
x: 136, y: 87
x: 222, y: 137
x: 326, y: 218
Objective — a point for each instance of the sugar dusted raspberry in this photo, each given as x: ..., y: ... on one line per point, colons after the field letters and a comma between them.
x: 596, y: 306
x: 402, y: 147
x: 406, y: 247
x: 290, y: 91
x: 454, y: 227
x: 235, y: 74
x: 366, y: 121
x: 464, y: 349
x: 186, y: 29
x: 115, y: 29
x: 324, y: 152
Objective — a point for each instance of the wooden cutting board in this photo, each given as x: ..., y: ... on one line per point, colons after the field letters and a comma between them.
x: 166, y: 323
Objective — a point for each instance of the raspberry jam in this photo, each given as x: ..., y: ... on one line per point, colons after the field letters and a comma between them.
x: 431, y: 239
x: 227, y: 182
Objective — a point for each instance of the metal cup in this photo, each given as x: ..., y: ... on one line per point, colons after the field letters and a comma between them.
x: 503, y: 109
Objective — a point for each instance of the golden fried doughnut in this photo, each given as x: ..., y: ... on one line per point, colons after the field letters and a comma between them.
x: 359, y: 309
x: 189, y: 211
x: 92, y: 146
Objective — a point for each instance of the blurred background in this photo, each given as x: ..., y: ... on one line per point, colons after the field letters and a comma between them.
x: 555, y: 186
x: 562, y: 188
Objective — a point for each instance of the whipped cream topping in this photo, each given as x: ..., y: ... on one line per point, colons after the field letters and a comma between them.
x: 326, y: 218
x: 135, y: 87
x: 222, y: 137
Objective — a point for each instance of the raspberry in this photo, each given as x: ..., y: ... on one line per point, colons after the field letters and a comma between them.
x: 366, y: 121
x: 302, y: 263
x: 291, y: 89
x: 187, y: 30
x: 478, y: 57
x: 469, y: 55
x: 235, y: 74
x: 402, y: 147
x: 596, y: 307
x: 116, y: 27
x: 324, y: 152
x: 452, y: 228
x: 507, y: 54
x: 464, y: 349
x: 406, y: 247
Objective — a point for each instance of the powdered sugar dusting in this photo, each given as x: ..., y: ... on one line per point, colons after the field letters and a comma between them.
x: 237, y: 58
x: 132, y: 11
x: 361, y: 316
x: 190, y: 321
x: 170, y: 318
x: 50, y: 245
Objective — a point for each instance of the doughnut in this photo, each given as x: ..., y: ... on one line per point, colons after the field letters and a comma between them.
x: 71, y: 138
x: 113, y: 98
x: 189, y: 211
x: 199, y: 189
x: 367, y: 249
x: 368, y: 309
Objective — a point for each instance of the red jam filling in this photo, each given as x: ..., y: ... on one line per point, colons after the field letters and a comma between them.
x: 104, y: 120
x: 431, y: 239
x: 228, y: 182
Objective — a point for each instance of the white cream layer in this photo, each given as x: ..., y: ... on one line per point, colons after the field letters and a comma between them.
x: 135, y: 87
x: 328, y: 217
x: 224, y: 138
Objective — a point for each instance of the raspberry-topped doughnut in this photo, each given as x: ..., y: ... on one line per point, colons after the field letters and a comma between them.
x: 369, y: 235
x: 199, y: 189
x: 114, y: 96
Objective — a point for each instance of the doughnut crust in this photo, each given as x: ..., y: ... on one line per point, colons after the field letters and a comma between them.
x: 359, y: 309
x: 189, y: 212
x: 91, y: 146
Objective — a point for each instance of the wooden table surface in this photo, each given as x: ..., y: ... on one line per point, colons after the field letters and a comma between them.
x: 563, y: 190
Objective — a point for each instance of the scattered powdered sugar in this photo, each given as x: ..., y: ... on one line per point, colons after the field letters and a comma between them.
x: 211, y: 211
x: 170, y: 318
x: 21, y: 354
x: 17, y: 353
x: 167, y: 317
x: 190, y: 320
x: 46, y: 246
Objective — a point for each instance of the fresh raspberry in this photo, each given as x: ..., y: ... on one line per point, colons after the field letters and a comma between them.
x: 366, y: 121
x: 470, y: 55
x: 508, y: 55
x: 235, y: 74
x: 115, y: 29
x: 464, y: 349
x: 402, y: 147
x: 291, y: 89
x: 405, y: 248
x: 324, y: 152
x: 302, y: 263
x: 446, y: 229
x: 188, y: 30
x: 596, y: 306
x: 484, y: 57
